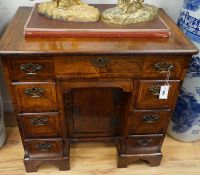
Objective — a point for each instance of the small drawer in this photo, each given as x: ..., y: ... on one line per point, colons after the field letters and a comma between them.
x: 40, y: 125
x: 159, y: 66
x: 95, y: 66
x: 35, y: 97
x: 44, y: 148
x: 148, y: 94
x: 144, y: 144
x: 149, y: 121
x: 31, y: 69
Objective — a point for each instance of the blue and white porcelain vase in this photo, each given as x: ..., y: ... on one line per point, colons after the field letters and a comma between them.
x: 2, y: 126
x: 185, y: 122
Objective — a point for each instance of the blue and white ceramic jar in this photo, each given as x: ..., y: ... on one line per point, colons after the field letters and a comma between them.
x: 185, y: 122
x: 2, y: 126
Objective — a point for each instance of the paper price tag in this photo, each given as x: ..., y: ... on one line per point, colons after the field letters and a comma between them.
x: 164, y: 90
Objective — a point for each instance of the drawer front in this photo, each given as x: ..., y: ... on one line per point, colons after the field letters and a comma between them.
x: 96, y: 65
x: 35, y: 97
x: 159, y: 66
x: 148, y: 94
x: 31, y: 69
x: 40, y: 125
x: 144, y: 144
x: 44, y: 148
x: 149, y: 121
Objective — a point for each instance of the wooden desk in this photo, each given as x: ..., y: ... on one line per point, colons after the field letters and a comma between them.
x: 67, y: 90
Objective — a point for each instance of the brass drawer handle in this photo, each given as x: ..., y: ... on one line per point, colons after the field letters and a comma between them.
x: 144, y: 142
x: 163, y: 67
x: 155, y: 90
x: 151, y: 118
x: 34, y: 92
x: 43, y: 146
x: 100, y: 62
x: 39, y: 121
x: 30, y: 68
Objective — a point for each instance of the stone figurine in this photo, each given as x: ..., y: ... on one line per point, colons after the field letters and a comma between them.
x: 69, y: 10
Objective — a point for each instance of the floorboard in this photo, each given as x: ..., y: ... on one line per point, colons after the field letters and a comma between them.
x: 99, y: 159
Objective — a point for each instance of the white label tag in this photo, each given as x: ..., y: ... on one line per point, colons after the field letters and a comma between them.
x: 164, y: 92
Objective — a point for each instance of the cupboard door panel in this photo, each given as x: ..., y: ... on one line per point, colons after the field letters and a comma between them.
x: 94, y: 111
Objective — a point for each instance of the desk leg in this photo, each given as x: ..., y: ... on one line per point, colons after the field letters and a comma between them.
x: 33, y: 165
x: 123, y: 160
x: 63, y: 163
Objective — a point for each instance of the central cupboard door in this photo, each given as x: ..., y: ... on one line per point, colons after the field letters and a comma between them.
x: 93, y: 112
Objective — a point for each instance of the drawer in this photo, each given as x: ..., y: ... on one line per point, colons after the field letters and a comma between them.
x: 149, y: 121
x: 144, y: 144
x: 127, y: 66
x: 40, y: 125
x: 44, y: 148
x: 94, y: 65
x: 31, y: 69
x: 148, y: 94
x: 35, y: 97
x: 37, y: 68
x: 159, y: 66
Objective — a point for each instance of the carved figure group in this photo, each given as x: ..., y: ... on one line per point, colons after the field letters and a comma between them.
x: 67, y: 3
x: 126, y: 11
x: 127, y: 4
x: 69, y: 10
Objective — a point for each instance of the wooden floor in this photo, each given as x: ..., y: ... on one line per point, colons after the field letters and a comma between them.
x: 99, y: 159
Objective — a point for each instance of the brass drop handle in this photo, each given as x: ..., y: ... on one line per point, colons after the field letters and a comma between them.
x: 155, y: 90
x: 43, y: 146
x: 163, y: 67
x: 39, y: 121
x: 100, y: 62
x: 150, y: 118
x: 30, y: 68
x: 144, y: 142
x: 34, y: 92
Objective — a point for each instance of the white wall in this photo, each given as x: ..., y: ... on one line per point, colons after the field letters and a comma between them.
x: 9, y: 7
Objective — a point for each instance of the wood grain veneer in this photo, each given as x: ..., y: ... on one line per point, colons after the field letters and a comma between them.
x: 68, y: 90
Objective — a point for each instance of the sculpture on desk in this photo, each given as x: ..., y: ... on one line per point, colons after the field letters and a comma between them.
x: 129, y: 12
x: 69, y: 10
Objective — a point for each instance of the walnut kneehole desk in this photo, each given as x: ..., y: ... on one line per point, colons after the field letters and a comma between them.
x: 67, y: 90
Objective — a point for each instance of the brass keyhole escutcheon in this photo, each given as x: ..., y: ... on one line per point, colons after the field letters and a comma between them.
x: 100, y: 62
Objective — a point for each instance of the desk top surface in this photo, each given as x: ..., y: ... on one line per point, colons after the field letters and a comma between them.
x: 14, y: 42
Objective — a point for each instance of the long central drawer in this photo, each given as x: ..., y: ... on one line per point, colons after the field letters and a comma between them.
x: 32, y: 68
